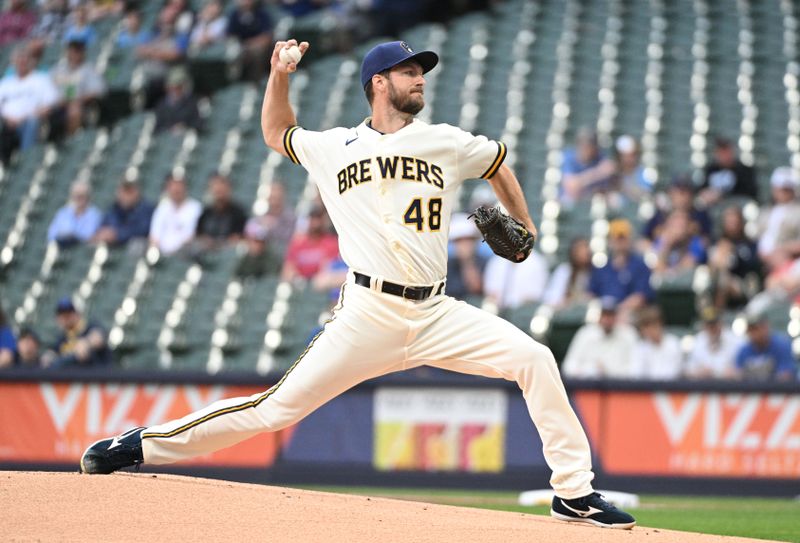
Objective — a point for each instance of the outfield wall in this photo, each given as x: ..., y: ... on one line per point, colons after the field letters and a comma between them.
x: 429, y: 427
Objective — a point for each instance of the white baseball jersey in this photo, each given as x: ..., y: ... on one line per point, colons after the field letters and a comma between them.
x: 390, y: 196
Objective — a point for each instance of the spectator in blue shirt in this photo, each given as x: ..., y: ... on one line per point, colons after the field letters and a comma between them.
x: 78, y: 221
x: 766, y: 355
x: 82, y: 343
x: 251, y: 25
x: 8, y: 345
x: 585, y: 170
x: 132, y: 34
x: 625, y: 277
x: 128, y: 219
x: 78, y: 26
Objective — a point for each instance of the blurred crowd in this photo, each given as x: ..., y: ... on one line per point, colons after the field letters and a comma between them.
x: 276, y: 243
x: 748, y: 240
x: 749, y: 247
x: 51, y: 101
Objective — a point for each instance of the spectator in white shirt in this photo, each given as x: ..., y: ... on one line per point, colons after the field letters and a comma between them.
x: 657, y: 355
x: 569, y: 282
x: 210, y: 27
x: 601, y: 350
x: 26, y: 97
x: 508, y: 284
x: 175, y: 218
x: 779, y: 225
x: 715, y: 349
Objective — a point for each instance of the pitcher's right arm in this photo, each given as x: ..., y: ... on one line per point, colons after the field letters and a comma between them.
x: 276, y: 112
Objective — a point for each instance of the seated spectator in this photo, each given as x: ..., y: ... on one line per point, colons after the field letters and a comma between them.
x: 465, y: 265
x: 184, y: 20
x: 714, y: 353
x: 16, y: 22
x: 681, y: 196
x: 26, y: 98
x: 585, y: 170
x: 211, y: 26
x: 223, y: 220
x: 631, y: 180
x: 52, y: 21
x: 625, y: 277
x: 279, y: 221
x: 29, y: 350
x: 78, y: 221
x: 132, y: 35
x: 178, y: 110
x: 766, y: 355
x: 259, y: 258
x: 80, y: 87
x: 784, y: 283
x: 733, y: 261
x: 8, y: 344
x: 508, y: 285
x: 82, y: 343
x: 782, y: 286
x: 779, y: 225
x: 657, y: 355
x: 309, y: 253
x: 129, y: 218
x: 175, y: 218
x: 569, y: 282
x: 164, y: 48
x: 677, y: 247
x: 601, y: 350
x: 727, y: 175
x: 78, y: 26
x: 251, y: 25
x: 331, y: 278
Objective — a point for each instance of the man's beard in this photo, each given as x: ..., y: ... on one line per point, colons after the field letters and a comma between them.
x: 405, y: 104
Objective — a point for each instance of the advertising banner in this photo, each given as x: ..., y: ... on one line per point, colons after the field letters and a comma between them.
x: 55, y: 422
x: 440, y: 429
x: 694, y: 434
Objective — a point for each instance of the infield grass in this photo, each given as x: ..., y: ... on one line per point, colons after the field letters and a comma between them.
x: 761, y: 518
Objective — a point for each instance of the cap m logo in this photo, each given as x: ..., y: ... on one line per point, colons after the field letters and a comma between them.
x: 405, y: 46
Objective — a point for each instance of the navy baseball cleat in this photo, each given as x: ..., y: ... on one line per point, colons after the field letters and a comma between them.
x: 591, y: 509
x: 111, y: 454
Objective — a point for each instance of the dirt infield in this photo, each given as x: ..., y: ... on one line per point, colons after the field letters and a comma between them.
x: 39, y: 506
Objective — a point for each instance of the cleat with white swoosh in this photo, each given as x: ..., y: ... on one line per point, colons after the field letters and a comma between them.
x: 110, y: 454
x: 591, y: 509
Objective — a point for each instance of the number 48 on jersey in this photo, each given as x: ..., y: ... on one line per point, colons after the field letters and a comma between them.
x: 416, y: 214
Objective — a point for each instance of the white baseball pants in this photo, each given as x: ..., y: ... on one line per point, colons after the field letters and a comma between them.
x: 372, y: 334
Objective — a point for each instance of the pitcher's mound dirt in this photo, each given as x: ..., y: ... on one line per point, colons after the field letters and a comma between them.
x: 44, y: 506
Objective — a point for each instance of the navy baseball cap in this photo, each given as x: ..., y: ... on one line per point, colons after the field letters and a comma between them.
x: 65, y: 305
x: 385, y: 55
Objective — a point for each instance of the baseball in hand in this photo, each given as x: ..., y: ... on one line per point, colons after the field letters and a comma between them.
x: 292, y: 54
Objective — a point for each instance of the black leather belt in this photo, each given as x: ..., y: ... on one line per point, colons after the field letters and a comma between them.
x: 409, y: 293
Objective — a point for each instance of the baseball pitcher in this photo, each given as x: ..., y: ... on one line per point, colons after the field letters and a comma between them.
x: 390, y: 185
